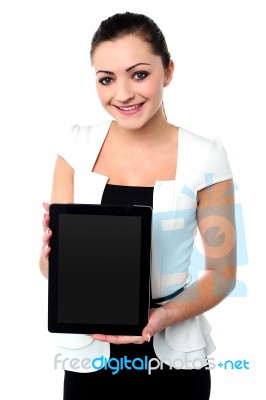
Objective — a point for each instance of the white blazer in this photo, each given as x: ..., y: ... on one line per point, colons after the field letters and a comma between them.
x: 201, y: 162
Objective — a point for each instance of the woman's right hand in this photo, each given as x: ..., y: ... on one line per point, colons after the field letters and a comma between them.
x: 47, y: 233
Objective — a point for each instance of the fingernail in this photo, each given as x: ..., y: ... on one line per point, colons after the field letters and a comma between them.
x: 148, y: 337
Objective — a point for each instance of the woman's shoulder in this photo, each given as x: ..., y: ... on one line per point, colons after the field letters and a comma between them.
x: 200, y: 144
x: 198, y: 139
x: 86, y: 131
x: 81, y: 139
x: 205, y: 156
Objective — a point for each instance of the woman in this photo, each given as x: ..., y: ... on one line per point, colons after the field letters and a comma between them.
x: 138, y: 157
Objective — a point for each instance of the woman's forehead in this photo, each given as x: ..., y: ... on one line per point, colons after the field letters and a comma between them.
x: 129, y: 44
x: 128, y: 51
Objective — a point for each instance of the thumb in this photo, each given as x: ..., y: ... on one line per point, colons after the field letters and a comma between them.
x: 147, y: 333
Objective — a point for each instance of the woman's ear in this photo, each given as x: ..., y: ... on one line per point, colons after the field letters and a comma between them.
x: 169, y: 73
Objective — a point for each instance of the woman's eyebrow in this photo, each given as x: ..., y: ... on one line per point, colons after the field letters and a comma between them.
x: 136, y: 65
x: 128, y: 69
x: 105, y: 72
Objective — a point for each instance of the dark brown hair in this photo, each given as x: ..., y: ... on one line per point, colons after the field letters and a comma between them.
x: 128, y: 23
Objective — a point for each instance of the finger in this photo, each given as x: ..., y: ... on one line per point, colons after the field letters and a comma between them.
x: 46, y: 206
x: 45, y: 242
x: 45, y: 222
x: 105, y: 338
x: 140, y: 341
x: 47, y: 236
x: 146, y: 334
x: 131, y: 339
x: 46, y: 251
x: 118, y: 339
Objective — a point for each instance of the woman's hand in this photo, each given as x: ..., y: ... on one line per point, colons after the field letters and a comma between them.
x: 157, y: 322
x: 47, y: 233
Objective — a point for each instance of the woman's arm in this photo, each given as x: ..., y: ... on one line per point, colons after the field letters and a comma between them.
x: 62, y: 192
x: 216, y: 223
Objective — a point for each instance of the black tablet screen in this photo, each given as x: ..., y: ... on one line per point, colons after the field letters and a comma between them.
x: 98, y: 269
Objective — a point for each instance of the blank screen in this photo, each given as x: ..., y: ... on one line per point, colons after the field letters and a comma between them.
x: 99, y: 269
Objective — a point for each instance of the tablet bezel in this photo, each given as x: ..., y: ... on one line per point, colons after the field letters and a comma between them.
x: 145, y: 213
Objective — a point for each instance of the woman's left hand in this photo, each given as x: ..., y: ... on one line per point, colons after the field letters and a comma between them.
x: 157, y: 318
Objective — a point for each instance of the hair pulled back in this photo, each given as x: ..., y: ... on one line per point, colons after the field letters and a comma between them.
x: 128, y: 23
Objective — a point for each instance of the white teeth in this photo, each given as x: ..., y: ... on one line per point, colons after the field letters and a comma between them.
x: 129, y: 108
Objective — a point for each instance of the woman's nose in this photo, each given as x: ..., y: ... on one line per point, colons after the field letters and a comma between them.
x: 124, y: 92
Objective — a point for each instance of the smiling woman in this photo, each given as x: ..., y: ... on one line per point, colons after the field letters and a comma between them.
x: 130, y: 80
x: 138, y: 157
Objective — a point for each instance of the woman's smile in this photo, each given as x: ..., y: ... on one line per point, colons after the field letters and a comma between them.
x: 130, y: 109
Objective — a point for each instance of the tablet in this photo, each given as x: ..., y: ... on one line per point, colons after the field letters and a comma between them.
x: 99, y: 269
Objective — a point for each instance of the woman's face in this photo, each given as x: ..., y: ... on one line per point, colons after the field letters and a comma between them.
x: 130, y: 80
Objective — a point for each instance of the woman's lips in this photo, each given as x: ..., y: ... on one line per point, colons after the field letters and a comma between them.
x: 129, y: 110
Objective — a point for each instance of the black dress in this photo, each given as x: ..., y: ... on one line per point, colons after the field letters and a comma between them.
x: 196, y: 383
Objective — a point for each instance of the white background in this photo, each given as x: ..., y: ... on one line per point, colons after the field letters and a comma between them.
x: 46, y: 85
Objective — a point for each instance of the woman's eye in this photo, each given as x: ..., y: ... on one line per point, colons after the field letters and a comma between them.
x: 105, y: 81
x: 140, y: 75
